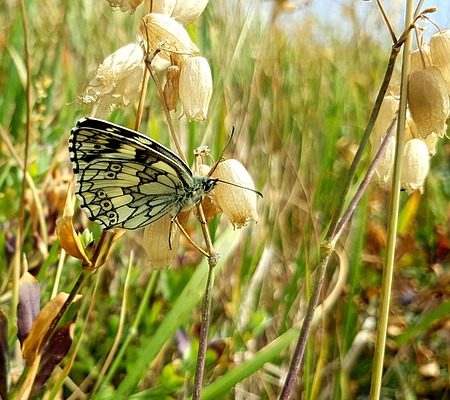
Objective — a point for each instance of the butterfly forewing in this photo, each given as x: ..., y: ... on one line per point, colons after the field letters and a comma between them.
x: 125, y: 179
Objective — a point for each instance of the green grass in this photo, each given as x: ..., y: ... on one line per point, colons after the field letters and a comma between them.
x: 299, y: 101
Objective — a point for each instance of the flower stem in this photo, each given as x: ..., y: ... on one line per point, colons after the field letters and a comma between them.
x: 377, y: 371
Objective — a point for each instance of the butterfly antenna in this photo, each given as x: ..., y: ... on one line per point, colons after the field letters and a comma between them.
x: 213, y: 168
x: 239, y: 186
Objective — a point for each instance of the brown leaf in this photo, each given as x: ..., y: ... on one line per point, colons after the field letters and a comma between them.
x: 57, y: 348
x: 33, y: 344
x: 28, y: 307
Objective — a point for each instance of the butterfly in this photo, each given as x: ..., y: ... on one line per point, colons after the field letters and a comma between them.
x: 127, y: 180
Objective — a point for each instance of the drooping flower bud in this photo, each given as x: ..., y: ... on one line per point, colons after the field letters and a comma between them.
x: 239, y: 205
x: 171, y: 87
x: 415, y: 165
x: 161, y: 32
x: 188, y: 11
x: 428, y: 101
x: 195, y: 88
x: 118, y: 80
x: 440, y: 54
x: 160, y: 241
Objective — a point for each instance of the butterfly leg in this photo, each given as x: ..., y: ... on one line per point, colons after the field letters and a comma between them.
x: 172, y: 221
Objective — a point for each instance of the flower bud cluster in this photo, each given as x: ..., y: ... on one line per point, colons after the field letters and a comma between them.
x: 428, y: 111
x: 191, y: 80
x: 163, y: 39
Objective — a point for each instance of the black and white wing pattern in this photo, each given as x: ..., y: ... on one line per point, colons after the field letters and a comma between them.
x: 126, y: 179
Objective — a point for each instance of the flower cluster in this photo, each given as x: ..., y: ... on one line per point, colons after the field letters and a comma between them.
x: 428, y: 110
x: 165, y: 41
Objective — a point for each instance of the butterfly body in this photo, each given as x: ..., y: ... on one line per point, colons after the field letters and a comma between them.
x: 127, y: 180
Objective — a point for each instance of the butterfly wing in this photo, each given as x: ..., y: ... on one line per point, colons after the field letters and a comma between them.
x: 125, y: 179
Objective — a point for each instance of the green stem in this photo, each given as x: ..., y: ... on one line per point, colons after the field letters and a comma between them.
x: 143, y: 310
x: 377, y: 371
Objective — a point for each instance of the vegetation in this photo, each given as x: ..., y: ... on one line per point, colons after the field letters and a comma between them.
x: 299, y: 97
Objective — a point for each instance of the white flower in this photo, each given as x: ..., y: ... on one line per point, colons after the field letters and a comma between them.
x: 118, y: 80
x: 195, y: 88
x: 415, y: 165
x: 238, y: 204
x: 161, y: 32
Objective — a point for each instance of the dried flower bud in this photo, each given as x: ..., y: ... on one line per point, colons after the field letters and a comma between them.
x: 420, y: 59
x: 195, y: 88
x: 428, y: 101
x: 125, y: 5
x: 161, y: 240
x: 415, y: 165
x: 188, y: 11
x: 171, y: 87
x: 160, y: 32
x: 440, y: 53
x: 239, y: 205
x: 118, y: 79
x: 163, y: 6
x: 385, y: 166
x: 388, y: 111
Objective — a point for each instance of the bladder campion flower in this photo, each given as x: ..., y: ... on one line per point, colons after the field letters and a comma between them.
x: 428, y: 101
x: 440, y: 54
x: 415, y: 165
x: 118, y: 80
x: 238, y: 204
x: 195, y: 88
x: 161, y: 32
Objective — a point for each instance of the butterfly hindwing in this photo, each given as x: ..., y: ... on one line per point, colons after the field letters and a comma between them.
x: 125, y: 179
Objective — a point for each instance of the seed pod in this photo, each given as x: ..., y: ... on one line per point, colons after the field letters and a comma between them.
x: 415, y: 165
x: 428, y: 101
x: 171, y: 87
x: 420, y: 59
x: 188, y: 11
x: 440, y: 54
x: 161, y: 32
x: 385, y: 166
x: 118, y: 80
x: 156, y: 240
x: 239, y: 205
x: 195, y: 88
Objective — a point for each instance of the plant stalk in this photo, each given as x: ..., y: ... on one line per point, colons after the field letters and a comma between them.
x: 377, y: 371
